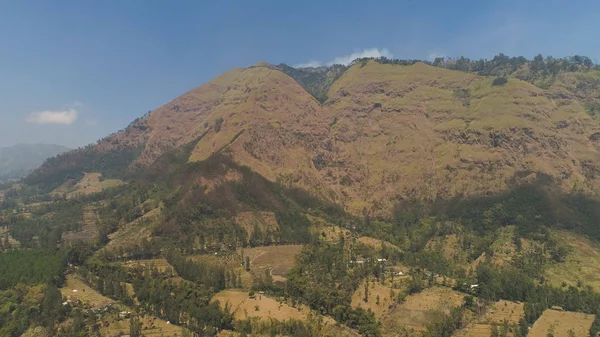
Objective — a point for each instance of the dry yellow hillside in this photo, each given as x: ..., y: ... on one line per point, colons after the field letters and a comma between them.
x: 385, y: 132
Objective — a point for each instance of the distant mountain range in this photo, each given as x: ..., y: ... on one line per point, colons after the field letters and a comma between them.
x: 18, y: 160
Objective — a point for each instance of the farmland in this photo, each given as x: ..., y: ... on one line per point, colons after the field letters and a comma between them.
x: 559, y: 323
x: 508, y: 311
x: 582, y: 264
x: 111, y: 324
x: 417, y: 309
x: 376, y: 290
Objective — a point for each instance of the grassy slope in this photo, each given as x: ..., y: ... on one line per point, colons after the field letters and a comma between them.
x: 582, y: 264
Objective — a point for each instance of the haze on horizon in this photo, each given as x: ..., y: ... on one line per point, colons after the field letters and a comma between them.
x: 73, y: 72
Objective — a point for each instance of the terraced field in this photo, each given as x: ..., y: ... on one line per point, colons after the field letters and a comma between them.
x: 561, y: 324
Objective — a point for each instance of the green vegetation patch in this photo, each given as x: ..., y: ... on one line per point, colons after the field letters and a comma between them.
x: 31, y: 267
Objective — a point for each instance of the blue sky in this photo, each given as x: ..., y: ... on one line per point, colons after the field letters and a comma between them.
x: 72, y: 72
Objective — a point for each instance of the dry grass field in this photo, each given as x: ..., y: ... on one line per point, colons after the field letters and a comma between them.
x: 111, y: 324
x: 265, y: 308
x: 475, y: 330
x: 261, y: 306
x: 151, y: 327
x: 263, y: 220
x: 502, y: 310
x: 559, y: 323
x: 89, y: 231
x: 278, y: 259
x: 4, y: 234
x: 375, y: 289
x: 76, y: 290
x: 581, y: 264
x: 158, y: 264
x: 418, y: 309
x: 89, y: 184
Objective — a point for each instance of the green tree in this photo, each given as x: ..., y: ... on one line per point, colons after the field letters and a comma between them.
x: 494, y: 332
x: 135, y: 327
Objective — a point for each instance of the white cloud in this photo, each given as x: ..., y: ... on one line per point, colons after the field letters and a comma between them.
x: 64, y: 117
x: 347, y: 59
x: 433, y: 55
x: 309, y: 64
x: 373, y: 52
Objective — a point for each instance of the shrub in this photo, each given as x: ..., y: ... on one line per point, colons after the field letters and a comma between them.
x: 218, y: 124
x: 499, y: 81
x: 593, y: 109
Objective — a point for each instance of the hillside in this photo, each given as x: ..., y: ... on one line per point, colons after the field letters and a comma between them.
x: 385, y: 132
x: 19, y: 160
x: 387, y: 198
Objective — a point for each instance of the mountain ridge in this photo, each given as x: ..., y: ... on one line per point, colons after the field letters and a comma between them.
x: 386, y: 131
x: 19, y: 160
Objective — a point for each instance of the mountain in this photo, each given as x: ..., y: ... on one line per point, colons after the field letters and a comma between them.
x: 383, y: 132
x: 19, y: 160
x: 383, y: 198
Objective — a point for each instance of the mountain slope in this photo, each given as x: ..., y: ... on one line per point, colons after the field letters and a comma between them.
x: 386, y: 132
x: 18, y: 160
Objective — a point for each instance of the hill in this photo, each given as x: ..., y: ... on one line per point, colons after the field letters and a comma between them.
x: 19, y: 160
x: 440, y: 192
x: 385, y: 132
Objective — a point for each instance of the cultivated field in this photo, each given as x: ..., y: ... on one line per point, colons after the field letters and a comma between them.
x: 277, y: 259
x: 91, y: 183
x: 375, y: 289
x: 151, y: 326
x: 89, y: 231
x: 111, y: 324
x: 158, y: 264
x: 4, y: 234
x: 502, y: 310
x: 416, y: 310
x: 332, y: 233
x: 582, y: 264
x: 243, y: 306
x: 475, y: 330
x: 265, y: 308
x: 559, y: 323
x: 76, y: 290
x: 134, y: 232
x: 263, y: 220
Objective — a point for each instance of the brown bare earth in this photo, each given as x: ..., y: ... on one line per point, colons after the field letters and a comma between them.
x: 560, y: 322
x: 417, y: 309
